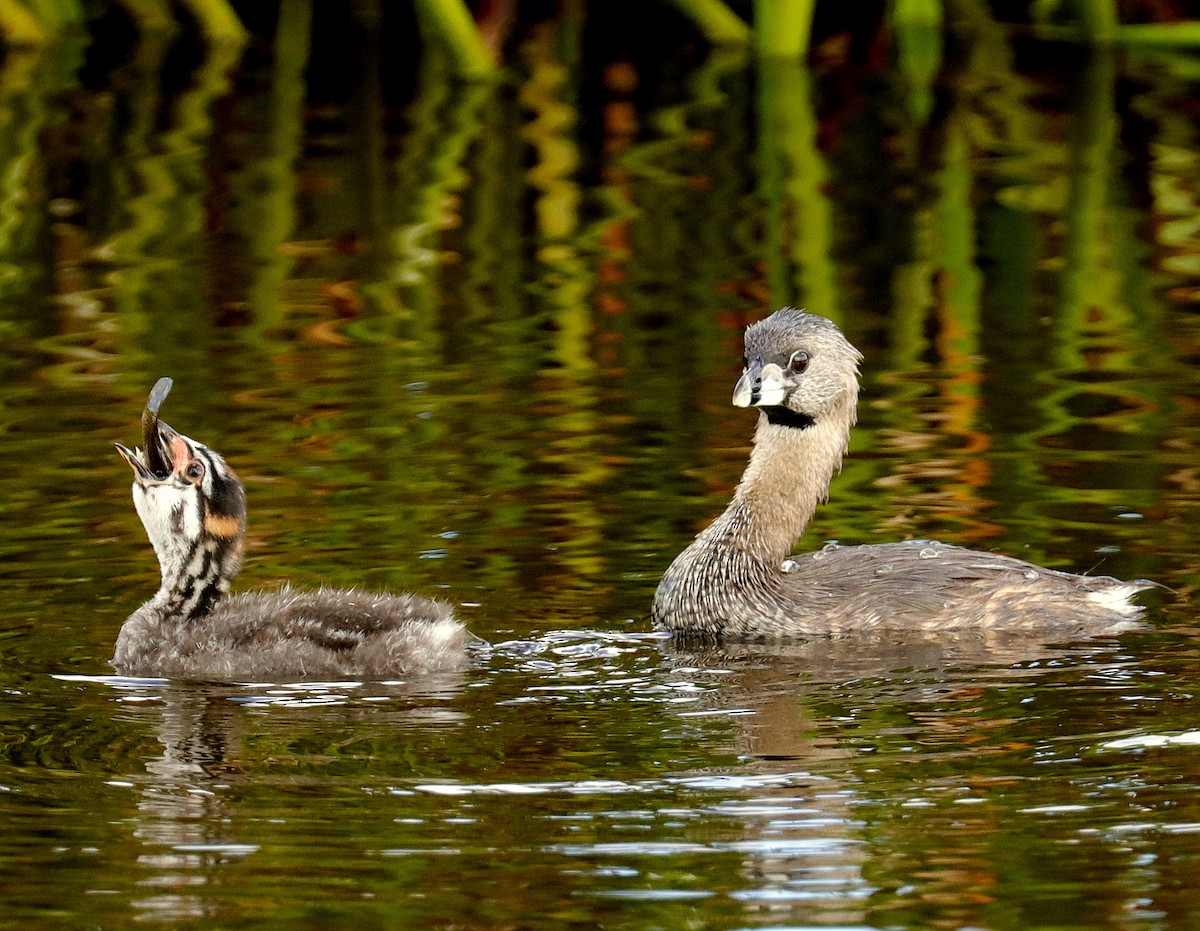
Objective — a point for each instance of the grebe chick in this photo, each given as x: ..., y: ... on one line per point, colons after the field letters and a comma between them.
x: 193, y: 507
x: 737, y: 580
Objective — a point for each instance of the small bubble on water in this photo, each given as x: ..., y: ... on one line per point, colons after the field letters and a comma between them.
x: 929, y: 553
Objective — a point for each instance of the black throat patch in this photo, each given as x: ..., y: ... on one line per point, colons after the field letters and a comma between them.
x: 786, y: 417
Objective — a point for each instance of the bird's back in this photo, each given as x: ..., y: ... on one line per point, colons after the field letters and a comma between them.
x: 920, y: 585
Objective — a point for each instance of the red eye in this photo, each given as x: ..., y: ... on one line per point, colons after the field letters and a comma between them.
x: 195, y: 470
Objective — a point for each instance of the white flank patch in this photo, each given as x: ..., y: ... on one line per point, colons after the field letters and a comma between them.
x: 1116, y: 599
x: 446, y: 631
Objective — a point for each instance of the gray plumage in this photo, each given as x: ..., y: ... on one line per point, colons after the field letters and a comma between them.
x: 738, y: 581
x: 291, y: 634
x: 193, y: 507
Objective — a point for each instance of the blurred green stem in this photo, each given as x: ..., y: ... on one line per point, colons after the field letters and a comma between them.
x: 151, y: 17
x: 452, y: 22
x: 718, y: 23
x: 1097, y: 19
x: 218, y: 21
x: 916, y: 27
x: 782, y: 27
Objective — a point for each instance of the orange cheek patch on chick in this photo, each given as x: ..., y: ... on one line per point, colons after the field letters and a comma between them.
x: 222, y: 526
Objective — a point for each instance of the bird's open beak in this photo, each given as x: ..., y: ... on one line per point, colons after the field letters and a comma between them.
x: 134, y: 457
x: 760, y: 386
x: 170, y: 453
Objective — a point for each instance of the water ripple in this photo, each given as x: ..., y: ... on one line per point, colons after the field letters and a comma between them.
x: 732, y: 783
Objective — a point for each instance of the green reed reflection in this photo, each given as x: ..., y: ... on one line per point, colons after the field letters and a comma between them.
x: 799, y: 214
x: 265, y: 206
x: 590, y: 230
x: 28, y: 88
x: 445, y: 120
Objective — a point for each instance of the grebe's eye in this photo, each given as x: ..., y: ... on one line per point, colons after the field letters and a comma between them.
x: 798, y: 363
x: 194, y: 470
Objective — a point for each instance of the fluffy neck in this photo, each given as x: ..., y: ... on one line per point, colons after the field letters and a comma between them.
x: 196, y: 577
x: 788, y: 477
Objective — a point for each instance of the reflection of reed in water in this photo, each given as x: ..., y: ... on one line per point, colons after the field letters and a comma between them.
x: 27, y: 84
x: 645, y: 196
x: 572, y: 431
x: 445, y: 120
x: 262, y: 214
x: 793, y: 182
x: 165, y: 186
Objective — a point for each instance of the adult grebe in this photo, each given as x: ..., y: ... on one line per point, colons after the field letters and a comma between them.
x: 737, y: 580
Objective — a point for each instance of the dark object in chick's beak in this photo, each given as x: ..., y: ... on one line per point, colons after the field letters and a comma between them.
x: 153, y: 461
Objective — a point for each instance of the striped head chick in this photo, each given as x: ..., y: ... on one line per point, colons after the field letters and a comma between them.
x: 193, y: 507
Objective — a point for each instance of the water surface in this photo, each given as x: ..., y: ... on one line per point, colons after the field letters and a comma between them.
x: 479, y: 342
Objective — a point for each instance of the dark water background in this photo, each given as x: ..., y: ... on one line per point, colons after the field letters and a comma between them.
x: 479, y: 342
